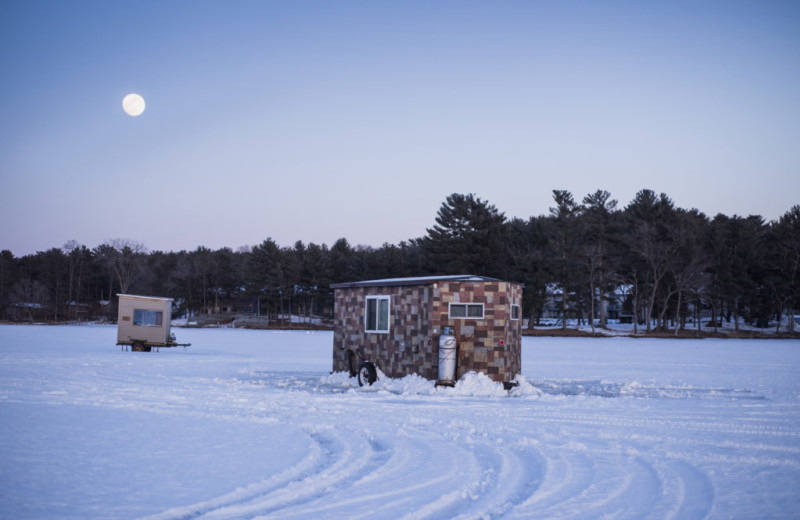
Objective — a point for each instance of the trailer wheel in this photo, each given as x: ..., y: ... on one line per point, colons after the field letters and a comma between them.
x: 140, y: 347
x: 367, y: 374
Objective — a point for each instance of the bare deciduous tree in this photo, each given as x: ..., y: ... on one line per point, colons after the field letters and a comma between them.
x: 123, y: 257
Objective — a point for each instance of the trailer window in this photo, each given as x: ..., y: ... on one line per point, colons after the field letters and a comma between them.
x: 466, y: 310
x: 147, y: 318
x: 515, y: 312
x: 377, y: 317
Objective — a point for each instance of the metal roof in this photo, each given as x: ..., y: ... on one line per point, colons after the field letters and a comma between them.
x: 159, y: 298
x: 417, y: 280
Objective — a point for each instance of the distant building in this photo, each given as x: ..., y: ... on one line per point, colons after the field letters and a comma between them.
x: 144, y: 322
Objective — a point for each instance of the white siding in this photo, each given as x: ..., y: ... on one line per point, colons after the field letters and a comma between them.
x: 127, y: 332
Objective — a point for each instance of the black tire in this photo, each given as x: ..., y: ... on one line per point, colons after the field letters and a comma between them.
x: 367, y: 374
x: 140, y: 347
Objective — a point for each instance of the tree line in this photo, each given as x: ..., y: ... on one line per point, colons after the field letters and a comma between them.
x: 663, y: 265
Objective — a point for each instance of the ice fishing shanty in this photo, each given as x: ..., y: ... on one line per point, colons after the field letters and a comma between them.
x: 143, y: 322
x: 405, y: 326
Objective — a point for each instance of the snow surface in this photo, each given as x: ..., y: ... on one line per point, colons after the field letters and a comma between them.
x: 248, y: 424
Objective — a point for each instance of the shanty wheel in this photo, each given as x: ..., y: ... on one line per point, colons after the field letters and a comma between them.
x: 367, y: 374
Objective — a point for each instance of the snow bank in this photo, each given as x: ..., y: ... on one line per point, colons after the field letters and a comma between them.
x: 471, y: 384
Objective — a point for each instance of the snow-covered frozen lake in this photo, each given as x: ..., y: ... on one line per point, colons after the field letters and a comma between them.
x: 248, y: 424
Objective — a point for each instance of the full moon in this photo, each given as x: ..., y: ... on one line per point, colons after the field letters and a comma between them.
x: 133, y: 104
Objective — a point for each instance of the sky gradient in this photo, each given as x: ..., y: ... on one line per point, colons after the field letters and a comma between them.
x: 318, y: 120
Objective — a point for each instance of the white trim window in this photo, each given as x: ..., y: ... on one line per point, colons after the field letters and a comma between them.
x: 515, y: 312
x: 466, y: 311
x: 147, y: 318
x: 376, y: 317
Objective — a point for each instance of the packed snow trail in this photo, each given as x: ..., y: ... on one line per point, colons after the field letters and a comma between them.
x: 250, y: 424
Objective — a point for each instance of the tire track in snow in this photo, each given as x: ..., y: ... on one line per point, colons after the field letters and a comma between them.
x: 616, y: 485
x: 468, y: 477
x: 397, y: 478
x: 516, y: 475
x: 682, y: 423
x: 344, y: 462
x: 385, y: 492
x: 310, y: 464
x: 404, y: 480
x: 694, y: 491
x: 565, y: 477
x: 483, y: 478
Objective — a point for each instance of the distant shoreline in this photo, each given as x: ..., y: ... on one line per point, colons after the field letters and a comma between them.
x: 552, y: 332
x: 682, y: 334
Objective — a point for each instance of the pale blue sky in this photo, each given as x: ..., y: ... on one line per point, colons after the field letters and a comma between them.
x: 312, y: 121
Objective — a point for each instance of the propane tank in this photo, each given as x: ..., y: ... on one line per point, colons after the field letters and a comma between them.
x: 447, y: 355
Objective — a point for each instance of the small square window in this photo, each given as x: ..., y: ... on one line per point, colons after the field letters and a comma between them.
x: 466, y: 310
x: 376, y: 318
x: 475, y: 311
x: 458, y: 310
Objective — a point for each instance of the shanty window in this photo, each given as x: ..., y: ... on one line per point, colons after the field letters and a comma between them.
x: 466, y: 310
x: 377, y: 318
x: 147, y: 318
x: 514, y: 312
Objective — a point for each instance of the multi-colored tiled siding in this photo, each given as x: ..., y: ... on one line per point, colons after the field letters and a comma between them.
x: 418, y: 315
x: 407, y: 347
x: 491, y: 345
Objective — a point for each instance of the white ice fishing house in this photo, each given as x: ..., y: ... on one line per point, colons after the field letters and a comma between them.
x: 143, y: 322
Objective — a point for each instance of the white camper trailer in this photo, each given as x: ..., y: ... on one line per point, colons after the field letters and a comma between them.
x: 143, y: 322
